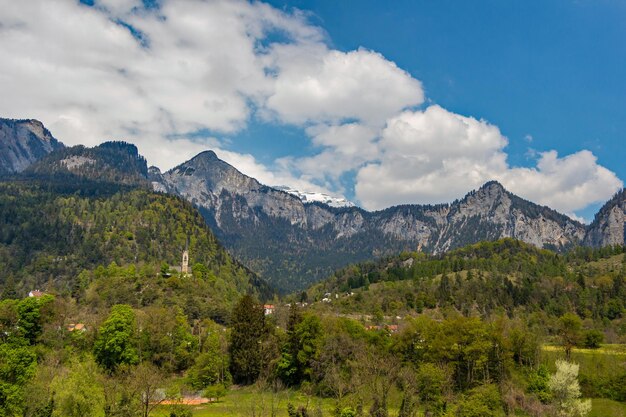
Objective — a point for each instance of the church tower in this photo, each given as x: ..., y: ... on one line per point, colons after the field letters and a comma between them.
x: 184, y: 268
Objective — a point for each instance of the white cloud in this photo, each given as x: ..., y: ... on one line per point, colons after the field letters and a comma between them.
x: 436, y: 156
x: 213, y: 65
x: 566, y: 184
x: 320, y: 85
x: 430, y: 156
x: 201, y: 66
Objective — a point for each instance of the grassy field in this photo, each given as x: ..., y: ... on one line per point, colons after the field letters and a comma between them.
x: 607, y: 408
x: 249, y: 401
x: 607, y: 360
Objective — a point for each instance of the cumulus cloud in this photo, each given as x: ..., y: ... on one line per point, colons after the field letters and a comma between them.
x: 566, y: 184
x: 430, y: 156
x: 316, y: 85
x: 189, y: 65
x: 158, y: 76
x: 436, y: 156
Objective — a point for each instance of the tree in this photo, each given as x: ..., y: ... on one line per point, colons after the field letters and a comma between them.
x: 30, y: 321
x: 214, y: 392
x: 247, y: 332
x: 539, y: 383
x: 482, y: 401
x: 301, y: 347
x: 114, y: 345
x: 147, y: 379
x: 569, y: 330
x: 377, y: 371
x: 165, y: 338
x: 17, y: 366
x: 566, y: 391
x: 77, y: 393
x: 593, y: 338
x: 432, y: 382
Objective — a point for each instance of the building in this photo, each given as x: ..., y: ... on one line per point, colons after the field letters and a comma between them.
x: 184, y: 267
x: 269, y: 309
x: 78, y: 327
x: 36, y: 293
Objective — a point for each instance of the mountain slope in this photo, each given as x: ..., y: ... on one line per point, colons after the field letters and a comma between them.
x: 293, y: 243
x: 502, y: 276
x: 49, y: 236
x: 608, y: 226
x: 23, y: 142
x: 112, y: 162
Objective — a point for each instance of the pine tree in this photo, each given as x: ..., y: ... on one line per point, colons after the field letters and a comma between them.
x: 248, y: 330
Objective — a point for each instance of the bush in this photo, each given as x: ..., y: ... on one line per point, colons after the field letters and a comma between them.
x: 538, y: 384
x: 347, y: 412
x: 593, y: 339
x: 215, y: 392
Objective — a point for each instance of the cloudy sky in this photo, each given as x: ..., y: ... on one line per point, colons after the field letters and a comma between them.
x: 382, y: 102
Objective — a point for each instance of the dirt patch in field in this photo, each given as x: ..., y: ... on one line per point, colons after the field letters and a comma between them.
x: 188, y: 401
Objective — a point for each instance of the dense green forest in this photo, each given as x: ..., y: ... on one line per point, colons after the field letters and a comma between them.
x: 120, y: 243
x: 505, y: 276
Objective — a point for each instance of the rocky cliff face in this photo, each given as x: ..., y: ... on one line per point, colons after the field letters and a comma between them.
x: 608, y: 227
x: 297, y: 243
x: 211, y: 183
x: 22, y: 142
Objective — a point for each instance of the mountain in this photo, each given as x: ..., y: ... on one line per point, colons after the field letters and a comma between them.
x: 293, y: 243
x: 317, y: 197
x: 112, y: 162
x: 292, y: 239
x: 607, y: 227
x: 67, y: 241
x: 23, y: 142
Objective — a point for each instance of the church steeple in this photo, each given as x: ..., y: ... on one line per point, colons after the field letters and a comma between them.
x: 184, y: 268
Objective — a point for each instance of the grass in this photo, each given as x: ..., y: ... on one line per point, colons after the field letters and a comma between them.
x: 608, y: 360
x: 251, y: 401
x: 601, y: 407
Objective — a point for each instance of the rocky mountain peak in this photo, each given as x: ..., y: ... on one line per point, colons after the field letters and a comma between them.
x: 492, y: 187
x: 152, y: 170
x: 609, y: 224
x: 22, y: 142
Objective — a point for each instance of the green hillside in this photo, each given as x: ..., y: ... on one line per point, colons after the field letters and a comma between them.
x: 66, y: 241
x: 113, y: 162
x: 503, y: 276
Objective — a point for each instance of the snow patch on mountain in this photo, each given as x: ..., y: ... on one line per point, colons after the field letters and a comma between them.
x: 317, y: 197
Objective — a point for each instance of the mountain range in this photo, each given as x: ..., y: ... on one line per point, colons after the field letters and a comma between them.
x: 293, y: 242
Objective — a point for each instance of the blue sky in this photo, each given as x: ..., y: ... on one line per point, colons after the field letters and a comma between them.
x: 383, y: 102
x: 553, y: 70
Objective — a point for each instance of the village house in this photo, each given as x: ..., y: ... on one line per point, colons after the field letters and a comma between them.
x: 78, y: 327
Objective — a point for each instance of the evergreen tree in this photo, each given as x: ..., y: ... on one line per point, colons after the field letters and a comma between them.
x: 248, y: 330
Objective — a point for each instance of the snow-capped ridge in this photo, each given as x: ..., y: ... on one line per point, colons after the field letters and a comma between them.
x: 317, y: 197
